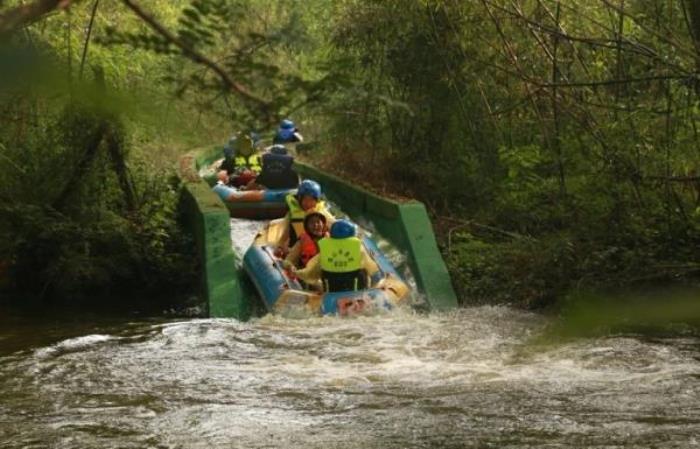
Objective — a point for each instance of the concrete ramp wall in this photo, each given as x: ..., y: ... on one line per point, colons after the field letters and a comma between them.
x: 223, y: 288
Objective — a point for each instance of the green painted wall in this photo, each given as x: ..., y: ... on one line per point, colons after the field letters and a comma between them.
x: 404, y: 224
x: 225, y: 291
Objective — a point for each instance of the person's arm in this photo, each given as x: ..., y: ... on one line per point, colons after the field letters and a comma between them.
x: 294, y: 256
x: 283, y: 241
x: 312, y: 273
x: 368, y: 263
x: 225, y: 192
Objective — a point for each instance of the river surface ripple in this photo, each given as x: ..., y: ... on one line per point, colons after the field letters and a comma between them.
x: 471, y: 378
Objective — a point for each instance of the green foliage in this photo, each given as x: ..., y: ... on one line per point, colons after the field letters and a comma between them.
x: 86, y: 211
x: 573, y: 125
x: 89, y: 194
x: 88, y: 240
x: 586, y: 314
x: 524, y: 270
x: 250, y: 40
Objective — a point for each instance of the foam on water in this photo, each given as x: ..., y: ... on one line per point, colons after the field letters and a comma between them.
x: 243, y: 233
x: 471, y: 378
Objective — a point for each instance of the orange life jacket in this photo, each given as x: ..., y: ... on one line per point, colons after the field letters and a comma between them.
x: 309, y: 248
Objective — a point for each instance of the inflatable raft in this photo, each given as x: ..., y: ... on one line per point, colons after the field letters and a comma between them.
x: 283, y: 294
x: 255, y: 204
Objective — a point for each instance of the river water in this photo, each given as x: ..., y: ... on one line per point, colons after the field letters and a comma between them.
x: 472, y: 378
x: 478, y: 377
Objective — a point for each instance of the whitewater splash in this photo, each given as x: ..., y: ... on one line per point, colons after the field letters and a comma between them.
x: 471, y: 378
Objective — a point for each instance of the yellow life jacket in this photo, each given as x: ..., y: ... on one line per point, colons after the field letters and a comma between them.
x: 340, y: 255
x: 297, y: 215
x: 252, y: 162
x: 341, y: 264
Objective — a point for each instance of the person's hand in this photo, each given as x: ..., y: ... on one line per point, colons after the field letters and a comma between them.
x: 281, y: 252
x: 290, y: 269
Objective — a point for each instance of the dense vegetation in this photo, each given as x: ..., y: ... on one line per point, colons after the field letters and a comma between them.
x: 555, y: 143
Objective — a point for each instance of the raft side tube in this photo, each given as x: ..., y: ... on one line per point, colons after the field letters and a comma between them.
x: 385, y: 267
x: 280, y: 293
x: 255, y: 204
x: 341, y: 303
x: 267, y: 274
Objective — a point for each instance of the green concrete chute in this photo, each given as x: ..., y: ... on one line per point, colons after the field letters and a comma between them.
x: 227, y: 294
x: 223, y: 287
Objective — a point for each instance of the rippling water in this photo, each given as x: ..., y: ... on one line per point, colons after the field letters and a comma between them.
x: 466, y: 379
x: 472, y: 378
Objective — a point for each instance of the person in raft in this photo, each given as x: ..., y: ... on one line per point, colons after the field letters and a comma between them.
x: 222, y: 188
x: 342, y: 263
x: 277, y: 171
x: 307, y: 246
x: 306, y: 201
x: 287, y: 133
x: 241, y: 160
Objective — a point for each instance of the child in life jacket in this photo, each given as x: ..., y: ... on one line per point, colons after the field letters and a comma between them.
x: 315, y: 228
x: 306, y: 201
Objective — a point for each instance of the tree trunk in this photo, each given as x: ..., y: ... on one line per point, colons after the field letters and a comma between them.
x: 116, y: 154
x: 693, y: 11
x: 25, y: 14
x: 83, y: 165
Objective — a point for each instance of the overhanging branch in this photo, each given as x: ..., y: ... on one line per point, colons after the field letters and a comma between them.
x: 23, y: 15
x: 195, y: 56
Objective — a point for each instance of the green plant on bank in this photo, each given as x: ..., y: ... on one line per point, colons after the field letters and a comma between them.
x: 77, y: 221
x: 96, y: 105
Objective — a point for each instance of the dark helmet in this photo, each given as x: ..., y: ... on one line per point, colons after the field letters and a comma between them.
x: 229, y: 148
x: 278, y: 149
x: 343, y: 229
x: 310, y: 188
x: 244, y: 145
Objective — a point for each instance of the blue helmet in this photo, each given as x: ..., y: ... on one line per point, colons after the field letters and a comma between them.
x: 343, y: 229
x: 287, y: 124
x: 285, y: 133
x: 310, y: 188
